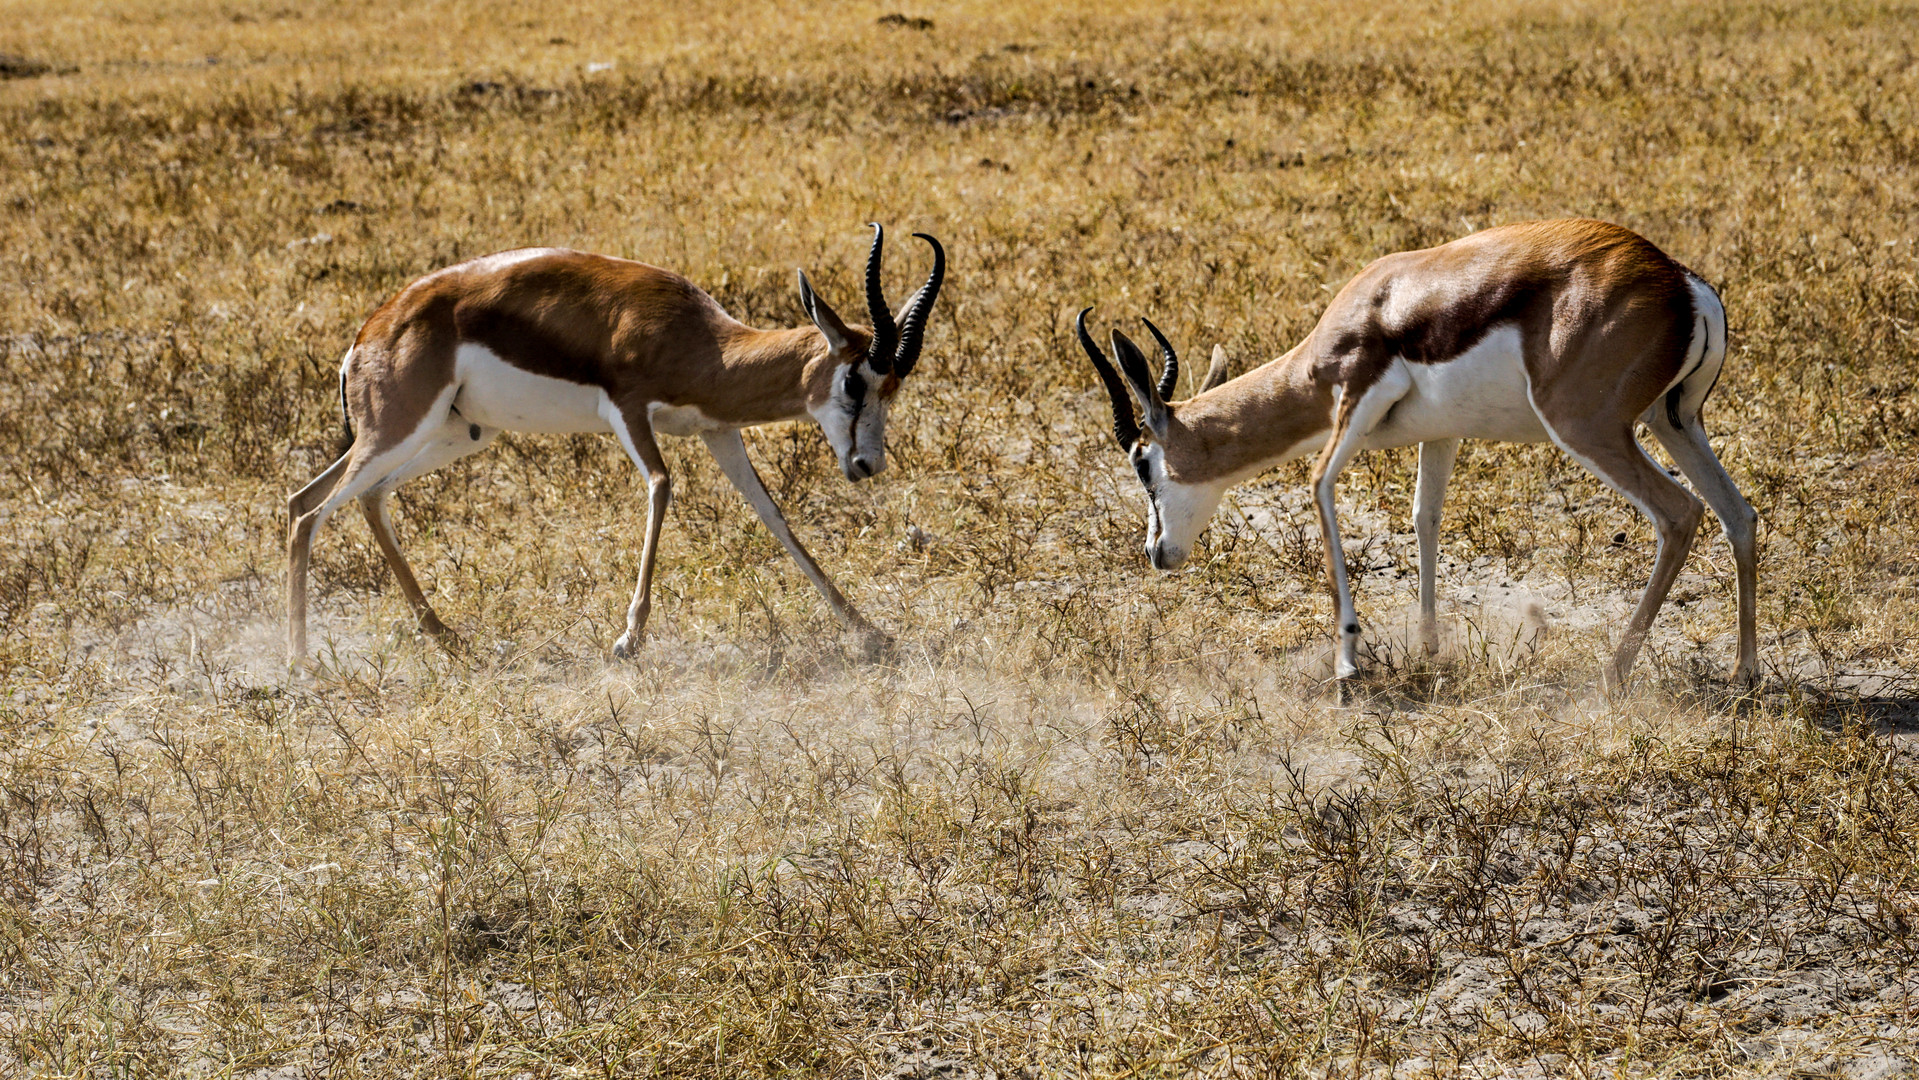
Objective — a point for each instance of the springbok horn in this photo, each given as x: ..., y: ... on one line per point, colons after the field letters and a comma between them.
x: 1132, y: 364
x: 1125, y: 428
x: 885, y: 334
x: 913, y: 316
x: 1168, y: 379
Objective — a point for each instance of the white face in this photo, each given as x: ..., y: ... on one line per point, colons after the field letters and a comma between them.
x: 1176, y: 513
x: 854, y: 419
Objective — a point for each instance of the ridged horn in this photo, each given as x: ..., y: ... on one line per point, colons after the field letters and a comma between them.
x: 886, y: 335
x: 914, y: 315
x: 1169, y: 378
x: 1125, y: 428
x: 1139, y: 374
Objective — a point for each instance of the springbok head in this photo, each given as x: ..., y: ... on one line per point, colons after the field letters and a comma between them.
x: 1182, y: 490
x: 866, y: 366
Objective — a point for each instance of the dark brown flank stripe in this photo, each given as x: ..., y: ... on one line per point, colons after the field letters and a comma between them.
x: 641, y: 333
x: 1606, y: 321
x: 1268, y: 411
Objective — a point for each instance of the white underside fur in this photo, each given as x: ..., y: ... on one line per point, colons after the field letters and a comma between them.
x: 494, y: 393
x: 1480, y: 394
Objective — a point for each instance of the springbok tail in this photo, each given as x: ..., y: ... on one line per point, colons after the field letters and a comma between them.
x: 346, y: 418
x: 1705, y: 358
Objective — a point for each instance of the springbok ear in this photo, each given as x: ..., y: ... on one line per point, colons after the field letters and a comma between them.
x: 824, y: 317
x: 1219, y: 372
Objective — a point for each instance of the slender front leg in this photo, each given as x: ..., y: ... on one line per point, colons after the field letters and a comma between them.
x: 636, y: 436
x: 1354, y: 419
x: 730, y: 451
x: 1435, y: 469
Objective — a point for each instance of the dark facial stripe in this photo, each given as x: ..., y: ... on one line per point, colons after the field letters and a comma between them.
x: 854, y: 387
x: 1142, y: 465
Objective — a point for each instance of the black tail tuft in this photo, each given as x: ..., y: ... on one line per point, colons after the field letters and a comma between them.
x: 346, y: 421
x: 1673, y: 397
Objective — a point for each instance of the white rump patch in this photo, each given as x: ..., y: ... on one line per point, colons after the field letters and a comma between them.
x: 1705, y: 355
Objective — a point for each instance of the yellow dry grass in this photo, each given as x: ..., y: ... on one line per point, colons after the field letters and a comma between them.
x: 1087, y: 820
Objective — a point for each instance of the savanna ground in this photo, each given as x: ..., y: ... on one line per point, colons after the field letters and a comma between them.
x: 1086, y: 820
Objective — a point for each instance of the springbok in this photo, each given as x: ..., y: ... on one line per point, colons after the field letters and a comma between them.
x: 548, y: 340
x: 1569, y: 331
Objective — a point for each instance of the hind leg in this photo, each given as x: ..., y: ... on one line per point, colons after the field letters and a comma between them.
x: 368, y: 461
x: 1689, y: 447
x: 301, y: 505
x: 317, y: 489
x: 1609, y: 451
x: 455, y: 440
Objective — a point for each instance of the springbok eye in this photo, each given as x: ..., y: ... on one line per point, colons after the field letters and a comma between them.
x: 854, y: 386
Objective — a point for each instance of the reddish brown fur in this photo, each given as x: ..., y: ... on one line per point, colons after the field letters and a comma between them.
x: 1613, y: 328
x: 1606, y: 321
x: 641, y: 333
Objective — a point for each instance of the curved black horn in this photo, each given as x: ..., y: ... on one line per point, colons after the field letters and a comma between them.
x: 1125, y: 428
x: 1132, y: 364
x: 886, y: 335
x: 1168, y: 379
x: 913, y: 316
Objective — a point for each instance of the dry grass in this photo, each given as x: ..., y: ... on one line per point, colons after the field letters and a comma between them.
x: 1088, y: 820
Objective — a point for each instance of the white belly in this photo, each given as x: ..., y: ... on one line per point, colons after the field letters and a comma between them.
x: 1479, y: 394
x: 495, y: 394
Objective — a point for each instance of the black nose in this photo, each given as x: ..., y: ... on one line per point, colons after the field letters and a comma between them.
x: 862, y: 468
